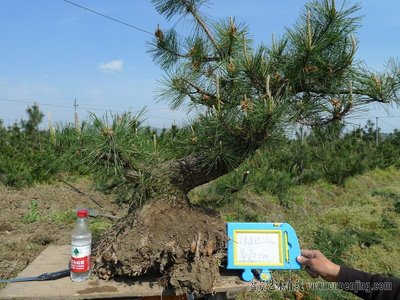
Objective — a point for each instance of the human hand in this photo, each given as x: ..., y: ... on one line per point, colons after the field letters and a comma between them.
x: 316, y: 264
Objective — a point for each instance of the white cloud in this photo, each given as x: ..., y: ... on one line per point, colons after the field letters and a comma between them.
x: 112, y: 66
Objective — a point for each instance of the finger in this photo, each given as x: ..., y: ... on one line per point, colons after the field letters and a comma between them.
x: 303, y: 260
x: 311, y: 272
x: 308, y: 253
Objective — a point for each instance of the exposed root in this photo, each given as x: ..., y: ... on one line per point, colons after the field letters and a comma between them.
x: 178, y: 243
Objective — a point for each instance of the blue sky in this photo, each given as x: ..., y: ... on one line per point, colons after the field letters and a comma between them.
x: 53, y: 52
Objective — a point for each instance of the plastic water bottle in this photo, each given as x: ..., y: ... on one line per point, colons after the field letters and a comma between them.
x: 81, y: 241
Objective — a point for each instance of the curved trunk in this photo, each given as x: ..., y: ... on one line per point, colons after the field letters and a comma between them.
x: 189, y: 172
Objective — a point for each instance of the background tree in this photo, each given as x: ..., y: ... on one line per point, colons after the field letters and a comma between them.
x: 23, y: 148
x: 35, y: 117
x: 244, y: 97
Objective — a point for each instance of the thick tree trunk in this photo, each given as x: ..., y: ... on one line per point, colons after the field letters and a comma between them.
x: 189, y: 172
x: 178, y: 243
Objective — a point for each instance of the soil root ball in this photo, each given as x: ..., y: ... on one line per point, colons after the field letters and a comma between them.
x: 167, y: 239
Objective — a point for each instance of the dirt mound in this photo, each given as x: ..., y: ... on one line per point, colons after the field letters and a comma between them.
x: 180, y: 244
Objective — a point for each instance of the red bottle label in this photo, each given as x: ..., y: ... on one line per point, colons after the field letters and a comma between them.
x: 80, y: 265
x: 80, y: 259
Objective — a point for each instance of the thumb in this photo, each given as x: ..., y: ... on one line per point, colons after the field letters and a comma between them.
x: 303, y: 260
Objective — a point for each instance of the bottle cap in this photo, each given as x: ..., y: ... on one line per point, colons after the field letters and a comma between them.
x: 82, y: 213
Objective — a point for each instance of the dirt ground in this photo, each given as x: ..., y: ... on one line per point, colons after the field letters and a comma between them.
x: 33, y: 218
x: 180, y: 243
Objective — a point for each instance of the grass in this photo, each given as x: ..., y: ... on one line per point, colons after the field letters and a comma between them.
x: 98, y: 226
x: 354, y: 224
x: 63, y: 217
x: 32, y: 215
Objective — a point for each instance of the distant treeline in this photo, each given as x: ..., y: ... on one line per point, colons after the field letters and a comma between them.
x: 29, y: 155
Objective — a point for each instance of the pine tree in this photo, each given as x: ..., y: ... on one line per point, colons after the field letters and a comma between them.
x: 246, y: 96
x: 35, y: 117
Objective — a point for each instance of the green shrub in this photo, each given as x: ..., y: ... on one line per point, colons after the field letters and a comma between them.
x: 365, y: 238
x: 22, y: 151
x: 387, y: 223
x: 390, y: 196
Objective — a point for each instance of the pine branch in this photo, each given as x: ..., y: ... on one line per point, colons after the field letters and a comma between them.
x: 201, y: 91
x: 202, y: 24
